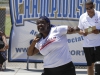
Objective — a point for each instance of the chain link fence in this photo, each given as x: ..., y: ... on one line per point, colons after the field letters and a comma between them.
x: 5, y: 21
x: 6, y: 27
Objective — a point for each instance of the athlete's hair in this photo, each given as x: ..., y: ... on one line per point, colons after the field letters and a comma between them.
x: 88, y: 2
x: 45, y: 18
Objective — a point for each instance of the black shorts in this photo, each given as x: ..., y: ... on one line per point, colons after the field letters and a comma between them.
x: 2, y: 60
x: 92, y: 54
x: 67, y: 69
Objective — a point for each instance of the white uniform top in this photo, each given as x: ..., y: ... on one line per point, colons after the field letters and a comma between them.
x: 91, y: 40
x: 55, y: 47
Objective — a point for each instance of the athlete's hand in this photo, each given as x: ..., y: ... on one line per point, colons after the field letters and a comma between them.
x: 70, y: 29
x: 37, y: 37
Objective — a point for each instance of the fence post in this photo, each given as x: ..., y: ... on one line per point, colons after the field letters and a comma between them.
x: 27, y: 62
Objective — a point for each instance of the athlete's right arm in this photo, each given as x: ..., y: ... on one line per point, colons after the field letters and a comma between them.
x: 32, y: 50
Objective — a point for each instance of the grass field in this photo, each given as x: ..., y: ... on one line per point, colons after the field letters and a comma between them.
x: 7, y: 25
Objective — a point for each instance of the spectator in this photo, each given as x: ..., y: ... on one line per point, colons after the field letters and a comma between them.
x: 3, y: 48
x: 91, y: 43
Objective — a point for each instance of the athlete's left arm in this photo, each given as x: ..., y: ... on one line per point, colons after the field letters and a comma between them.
x: 72, y: 30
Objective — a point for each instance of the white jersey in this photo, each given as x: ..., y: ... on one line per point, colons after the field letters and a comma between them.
x: 91, y: 40
x: 55, y: 47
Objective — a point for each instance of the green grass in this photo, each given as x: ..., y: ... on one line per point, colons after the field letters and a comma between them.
x: 7, y: 26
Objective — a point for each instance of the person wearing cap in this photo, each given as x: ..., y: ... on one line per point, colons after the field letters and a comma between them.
x: 90, y: 20
x: 52, y: 44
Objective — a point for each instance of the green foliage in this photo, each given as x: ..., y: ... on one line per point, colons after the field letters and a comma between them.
x: 7, y: 26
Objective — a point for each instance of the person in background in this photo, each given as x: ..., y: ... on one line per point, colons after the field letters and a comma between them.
x: 52, y: 44
x: 91, y: 43
x: 3, y: 49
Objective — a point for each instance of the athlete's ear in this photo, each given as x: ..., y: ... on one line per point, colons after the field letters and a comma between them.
x: 48, y: 24
x: 94, y: 5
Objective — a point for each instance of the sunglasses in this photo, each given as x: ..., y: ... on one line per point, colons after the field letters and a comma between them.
x: 89, y: 8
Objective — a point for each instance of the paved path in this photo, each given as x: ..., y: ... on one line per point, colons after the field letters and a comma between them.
x: 32, y: 71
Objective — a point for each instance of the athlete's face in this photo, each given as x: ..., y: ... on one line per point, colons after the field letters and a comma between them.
x: 42, y: 26
x: 90, y: 9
